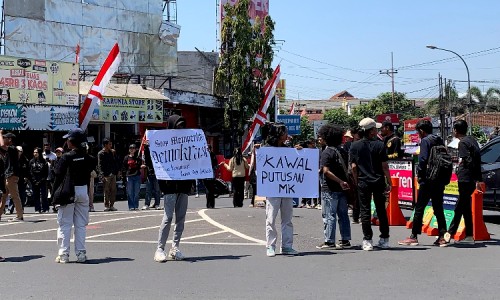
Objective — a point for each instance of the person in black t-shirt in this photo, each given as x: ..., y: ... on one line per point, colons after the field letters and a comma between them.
x: 334, y: 168
x: 392, y: 142
x: 469, y: 179
x: 11, y: 172
x: 371, y: 175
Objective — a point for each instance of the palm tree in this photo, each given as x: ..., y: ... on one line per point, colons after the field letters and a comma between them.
x: 487, y: 102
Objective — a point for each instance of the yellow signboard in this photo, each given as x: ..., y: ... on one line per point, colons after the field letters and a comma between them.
x: 32, y: 81
x: 129, y: 110
x: 281, y: 90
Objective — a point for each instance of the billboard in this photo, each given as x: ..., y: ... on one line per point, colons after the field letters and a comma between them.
x: 292, y: 123
x: 281, y: 90
x: 411, y: 137
x: 257, y: 8
x: 129, y: 110
x: 38, y: 117
x: 36, y: 81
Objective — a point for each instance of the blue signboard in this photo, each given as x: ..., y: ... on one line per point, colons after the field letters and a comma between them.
x: 292, y: 123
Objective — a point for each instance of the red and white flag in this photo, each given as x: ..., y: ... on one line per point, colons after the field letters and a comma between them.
x: 109, y: 68
x: 77, y: 53
x: 260, y: 117
x: 292, y: 109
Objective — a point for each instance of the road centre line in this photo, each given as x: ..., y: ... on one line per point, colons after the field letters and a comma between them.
x: 230, y: 230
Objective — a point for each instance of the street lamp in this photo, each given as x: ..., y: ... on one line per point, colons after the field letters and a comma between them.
x: 468, y: 84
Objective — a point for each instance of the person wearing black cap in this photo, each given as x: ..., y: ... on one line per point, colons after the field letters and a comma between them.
x: 75, y: 165
x: 11, y: 164
x: 392, y: 142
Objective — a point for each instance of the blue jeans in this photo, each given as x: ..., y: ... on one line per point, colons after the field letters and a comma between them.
x: 152, y: 190
x: 335, y: 203
x: 133, y: 189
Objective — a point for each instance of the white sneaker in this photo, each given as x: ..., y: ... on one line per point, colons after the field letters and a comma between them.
x: 383, y: 243
x: 197, y: 196
x: 160, y: 256
x: 175, y: 254
x: 145, y: 207
x: 81, y: 257
x: 367, y: 245
x: 62, y: 259
x: 447, y: 237
x: 318, y: 207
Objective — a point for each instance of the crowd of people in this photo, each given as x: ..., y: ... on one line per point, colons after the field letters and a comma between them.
x: 353, y: 172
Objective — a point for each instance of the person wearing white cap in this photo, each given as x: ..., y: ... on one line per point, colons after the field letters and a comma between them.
x: 371, y: 175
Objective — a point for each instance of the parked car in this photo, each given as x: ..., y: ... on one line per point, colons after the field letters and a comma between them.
x: 490, y: 167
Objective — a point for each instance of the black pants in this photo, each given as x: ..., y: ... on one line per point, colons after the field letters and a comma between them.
x: 254, y: 190
x: 365, y: 192
x: 463, y: 207
x: 210, y: 192
x: 239, y: 191
x: 427, y: 192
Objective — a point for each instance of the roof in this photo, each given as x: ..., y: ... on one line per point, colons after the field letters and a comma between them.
x: 125, y: 90
x: 342, y: 95
x: 491, y: 119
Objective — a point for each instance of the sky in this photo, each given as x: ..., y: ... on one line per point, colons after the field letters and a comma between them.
x: 329, y: 46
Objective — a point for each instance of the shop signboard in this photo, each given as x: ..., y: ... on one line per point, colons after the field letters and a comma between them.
x: 51, y: 118
x: 129, y: 110
x: 33, y: 81
x: 410, y: 137
x: 292, y: 123
x: 11, y: 117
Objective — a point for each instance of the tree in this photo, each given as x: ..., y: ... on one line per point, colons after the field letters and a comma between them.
x: 306, y: 131
x: 488, y: 102
x: 339, y: 116
x: 245, y: 65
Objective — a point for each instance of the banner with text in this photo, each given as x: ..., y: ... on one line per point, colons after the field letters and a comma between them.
x: 12, y: 117
x: 287, y: 172
x: 179, y: 154
x: 404, y: 171
x: 129, y: 110
x: 32, y: 81
x: 38, y: 117
x: 292, y: 123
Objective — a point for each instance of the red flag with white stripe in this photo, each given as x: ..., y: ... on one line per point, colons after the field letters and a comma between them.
x: 261, y: 117
x: 109, y: 68
x: 292, y: 109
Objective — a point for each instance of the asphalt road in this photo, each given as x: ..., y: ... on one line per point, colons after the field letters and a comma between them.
x: 225, y: 259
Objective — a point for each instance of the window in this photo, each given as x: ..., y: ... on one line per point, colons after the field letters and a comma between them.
x: 491, y: 154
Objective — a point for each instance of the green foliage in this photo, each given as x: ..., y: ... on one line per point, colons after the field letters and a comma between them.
x: 245, y: 63
x: 306, y: 131
x: 339, y: 116
x: 479, y: 134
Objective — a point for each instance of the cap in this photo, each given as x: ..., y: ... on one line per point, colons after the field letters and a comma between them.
x: 369, y: 123
x: 19, y: 148
x: 77, y: 134
x: 348, y: 134
x: 9, y: 135
x: 59, y: 149
x: 131, y: 146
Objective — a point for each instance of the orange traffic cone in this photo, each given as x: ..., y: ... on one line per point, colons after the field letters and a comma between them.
x: 394, y: 213
x: 480, y: 231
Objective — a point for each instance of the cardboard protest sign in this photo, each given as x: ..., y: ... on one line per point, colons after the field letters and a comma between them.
x: 287, y: 172
x: 179, y: 154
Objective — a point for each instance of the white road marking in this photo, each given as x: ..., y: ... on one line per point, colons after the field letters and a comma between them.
x: 138, y: 242
x: 230, y: 230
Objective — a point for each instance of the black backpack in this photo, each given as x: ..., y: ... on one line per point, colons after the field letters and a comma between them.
x: 439, y: 165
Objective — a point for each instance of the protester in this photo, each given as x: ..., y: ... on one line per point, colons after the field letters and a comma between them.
x: 371, y: 176
x: 152, y: 187
x: 469, y: 179
x: 392, y: 142
x: 238, y: 166
x: 39, y: 171
x: 253, y: 178
x: 108, y: 168
x: 11, y: 173
x: 276, y: 135
x: 427, y: 189
x: 322, y: 145
x: 309, y: 202
x: 72, y: 199
x: 93, y: 176
x: 59, y: 152
x: 176, y: 200
x: 47, y: 154
x: 334, y: 169
x: 24, y: 171
x: 354, y: 133
x: 132, y: 172
x: 210, y: 182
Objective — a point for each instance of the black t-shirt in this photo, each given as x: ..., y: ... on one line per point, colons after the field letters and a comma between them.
x: 331, y: 159
x: 78, y: 163
x: 469, y: 167
x: 393, y: 146
x: 368, y: 155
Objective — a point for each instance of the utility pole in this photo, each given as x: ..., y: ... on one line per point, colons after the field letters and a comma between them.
x: 391, y: 73
x: 442, y: 107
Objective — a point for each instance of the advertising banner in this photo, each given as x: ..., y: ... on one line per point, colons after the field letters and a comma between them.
x: 11, y: 117
x: 287, y: 172
x: 393, y: 118
x: 257, y: 8
x: 404, y: 171
x: 59, y: 118
x: 31, y: 81
x: 179, y: 154
x: 292, y: 123
x: 281, y: 90
x: 410, y: 137
x: 129, y: 110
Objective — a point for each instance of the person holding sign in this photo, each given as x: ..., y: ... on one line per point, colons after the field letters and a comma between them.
x: 176, y: 200
x: 238, y: 166
x: 371, y: 175
x: 276, y: 135
x: 333, y: 189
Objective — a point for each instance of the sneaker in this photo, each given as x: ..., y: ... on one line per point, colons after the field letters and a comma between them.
x: 383, y: 243
x: 288, y: 251
x: 197, y: 196
x: 81, y: 257
x: 440, y: 242
x: 160, y: 255
x: 112, y: 208
x: 251, y: 205
x: 367, y: 245
x: 308, y: 206
x: 409, y: 242
x: 326, y: 245
x: 159, y: 208
x: 270, y: 252
x: 107, y: 209
x: 175, y: 254
x: 62, y: 259
x: 343, y: 245
x: 349, y: 212
x: 301, y: 206
x: 152, y: 206
x: 131, y: 209
x: 469, y: 240
x: 318, y: 206
x: 145, y: 207
x: 16, y: 219
x: 355, y: 222
x: 447, y: 237
x: 91, y: 209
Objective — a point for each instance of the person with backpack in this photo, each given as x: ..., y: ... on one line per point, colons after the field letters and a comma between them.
x: 433, y: 173
x: 469, y: 179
